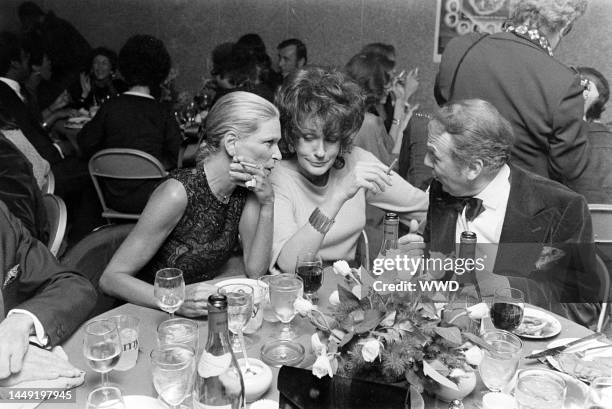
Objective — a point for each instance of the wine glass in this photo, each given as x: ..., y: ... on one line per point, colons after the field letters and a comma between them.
x: 284, y: 290
x: 600, y: 394
x: 239, y: 310
x: 102, y: 347
x: 106, y: 397
x: 173, y: 368
x: 169, y: 289
x: 507, y: 309
x: 309, y: 267
x: 500, y: 361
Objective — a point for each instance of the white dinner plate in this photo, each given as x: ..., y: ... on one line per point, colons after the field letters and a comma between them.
x: 258, y: 287
x: 538, y: 324
x: 142, y: 402
x: 607, y: 352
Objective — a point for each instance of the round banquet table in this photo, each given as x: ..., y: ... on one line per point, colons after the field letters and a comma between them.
x: 137, y: 381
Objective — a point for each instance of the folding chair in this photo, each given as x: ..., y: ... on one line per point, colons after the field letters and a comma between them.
x: 57, y: 215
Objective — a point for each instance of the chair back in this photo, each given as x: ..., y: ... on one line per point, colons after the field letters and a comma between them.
x: 125, y: 164
x: 57, y: 215
x: 92, y: 254
x: 49, y: 186
x: 601, y: 216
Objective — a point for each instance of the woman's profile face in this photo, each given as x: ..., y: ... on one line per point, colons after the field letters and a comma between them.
x: 315, y: 155
x: 261, y: 146
x: 101, y: 67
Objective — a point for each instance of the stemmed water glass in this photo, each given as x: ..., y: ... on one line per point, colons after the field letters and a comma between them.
x: 169, y: 289
x: 284, y: 290
x: 239, y: 310
x: 102, y: 347
x: 107, y: 397
x: 309, y: 267
x: 173, y: 368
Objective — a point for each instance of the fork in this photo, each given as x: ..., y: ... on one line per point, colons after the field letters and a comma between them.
x: 582, y: 354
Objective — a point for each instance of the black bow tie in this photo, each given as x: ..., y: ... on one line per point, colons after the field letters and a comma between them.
x: 473, y: 206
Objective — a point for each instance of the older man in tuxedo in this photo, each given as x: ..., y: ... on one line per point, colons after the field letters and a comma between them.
x: 45, y: 302
x: 538, y: 232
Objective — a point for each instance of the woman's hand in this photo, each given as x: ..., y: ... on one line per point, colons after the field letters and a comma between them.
x: 196, y: 299
x: 254, y: 177
x: 85, y: 85
x: 403, y: 89
x: 371, y: 176
x: 61, y: 101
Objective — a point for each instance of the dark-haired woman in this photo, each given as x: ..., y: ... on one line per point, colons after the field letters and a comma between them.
x: 322, y: 184
x: 100, y: 83
x: 135, y: 120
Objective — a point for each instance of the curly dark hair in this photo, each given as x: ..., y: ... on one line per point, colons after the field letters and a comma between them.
x: 106, y: 52
x: 373, y: 73
x: 144, y: 60
x: 325, y: 95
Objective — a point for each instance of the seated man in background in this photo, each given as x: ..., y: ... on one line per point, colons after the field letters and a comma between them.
x: 539, y: 231
x: 292, y: 54
x: 45, y: 302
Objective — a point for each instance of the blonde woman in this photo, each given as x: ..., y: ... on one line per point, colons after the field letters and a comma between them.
x: 193, y: 219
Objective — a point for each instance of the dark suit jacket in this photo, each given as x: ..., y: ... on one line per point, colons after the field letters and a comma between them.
x: 29, y: 125
x: 33, y: 280
x: 19, y: 190
x: 540, y: 215
x: 540, y: 97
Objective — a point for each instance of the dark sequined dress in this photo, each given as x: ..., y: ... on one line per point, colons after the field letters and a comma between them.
x: 205, y: 237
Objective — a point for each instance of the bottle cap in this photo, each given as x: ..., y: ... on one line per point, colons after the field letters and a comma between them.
x: 468, y: 235
x: 217, y: 302
x: 391, y: 218
x: 498, y: 400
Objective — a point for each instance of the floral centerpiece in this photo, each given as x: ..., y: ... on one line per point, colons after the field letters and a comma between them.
x: 394, y: 337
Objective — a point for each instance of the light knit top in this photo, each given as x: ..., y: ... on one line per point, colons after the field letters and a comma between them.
x: 296, y: 197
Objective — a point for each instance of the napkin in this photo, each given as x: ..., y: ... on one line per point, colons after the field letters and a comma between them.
x: 60, y: 382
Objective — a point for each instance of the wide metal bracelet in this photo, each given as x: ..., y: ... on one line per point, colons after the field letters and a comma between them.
x: 320, y: 222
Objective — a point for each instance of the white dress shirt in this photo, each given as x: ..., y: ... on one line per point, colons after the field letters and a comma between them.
x: 488, y: 225
x: 14, y: 86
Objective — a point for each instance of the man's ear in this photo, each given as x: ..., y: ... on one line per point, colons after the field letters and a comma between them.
x: 229, y: 140
x: 474, y: 169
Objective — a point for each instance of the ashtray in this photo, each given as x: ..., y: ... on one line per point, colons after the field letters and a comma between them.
x: 282, y: 352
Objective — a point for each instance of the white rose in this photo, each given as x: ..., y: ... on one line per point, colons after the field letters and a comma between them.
x: 478, y: 311
x: 317, y: 345
x: 473, y: 356
x: 334, y: 298
x: 322, y: 367
x: 370, y: 350
x: 303, y: 306
x: 342, y: 267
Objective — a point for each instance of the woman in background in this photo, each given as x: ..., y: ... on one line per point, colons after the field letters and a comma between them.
x: 193, y: 219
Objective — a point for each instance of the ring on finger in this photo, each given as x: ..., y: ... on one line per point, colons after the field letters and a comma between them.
x: 251, y: 184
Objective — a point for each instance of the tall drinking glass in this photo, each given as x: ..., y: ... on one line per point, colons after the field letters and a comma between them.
x: 102, y: 347
x: 107, y: 397
x: 309, y: 267
x: 601, y: 393
x: 173, y: 368
x: 507, y: 309
x: 284, y: 290
x: 169, y: 289
x: 239, y: 310
x: 178, y: 331
x: 499, y: 364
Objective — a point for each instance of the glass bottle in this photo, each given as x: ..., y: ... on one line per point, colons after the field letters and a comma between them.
x: 465, y: 271
x: 218, y: 380
x: 388, y: 249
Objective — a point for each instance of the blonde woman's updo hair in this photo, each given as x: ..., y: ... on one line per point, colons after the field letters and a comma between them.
x: 239, y: 112
x: 550, y: 15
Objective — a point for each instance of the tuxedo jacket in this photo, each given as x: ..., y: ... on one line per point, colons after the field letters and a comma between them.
x: 27, y: 122
x: 541, y: 97
x: 32, y: 279
x: 546, y: 244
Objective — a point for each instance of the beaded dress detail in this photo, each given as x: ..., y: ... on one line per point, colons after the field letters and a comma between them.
x: 205, y: 237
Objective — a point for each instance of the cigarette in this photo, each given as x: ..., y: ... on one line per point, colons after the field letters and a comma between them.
x: 391, y: 166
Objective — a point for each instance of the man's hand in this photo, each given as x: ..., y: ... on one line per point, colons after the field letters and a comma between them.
x: 41, y: 364
x: 14, y: 339
x: 196, y: 299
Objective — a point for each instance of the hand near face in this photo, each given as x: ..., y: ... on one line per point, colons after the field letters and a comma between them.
x: 85, y: 85
x: 371, y: 176
x: 196, y: 299
x: 254, y: 177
